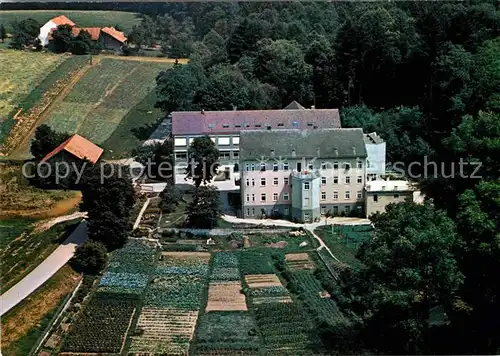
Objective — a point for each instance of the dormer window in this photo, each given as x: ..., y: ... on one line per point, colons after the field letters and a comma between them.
x: 225, y: 126
x: 258, y: 125
x: 280, y: 124
x: 237, y: 125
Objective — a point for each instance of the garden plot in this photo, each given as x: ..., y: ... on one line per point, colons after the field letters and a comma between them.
x: 256, y: 262
x: 164, y: 331
x: 226, y: 333
x: 225, y: 267
x: 285, y: 329
x: 299, y: 261
x: 102, y: 326
x: 262, y: 280
x: 225, y: 296
x: 178, y: 282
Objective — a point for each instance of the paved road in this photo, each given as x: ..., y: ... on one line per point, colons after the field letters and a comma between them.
x: 44, y: 270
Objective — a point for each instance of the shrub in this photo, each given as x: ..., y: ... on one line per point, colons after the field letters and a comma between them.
x: 90, y: 257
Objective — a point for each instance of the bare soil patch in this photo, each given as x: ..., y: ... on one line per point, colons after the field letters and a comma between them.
x: 202, y: 255
x: 225, y: 296
x: 262, y: 280
x: 299, y: 261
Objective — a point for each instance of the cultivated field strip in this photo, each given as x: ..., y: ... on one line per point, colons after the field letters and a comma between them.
x: 225, y: 296
x: 164, y: 331
x: 299, y: 261
x: 262, y: 280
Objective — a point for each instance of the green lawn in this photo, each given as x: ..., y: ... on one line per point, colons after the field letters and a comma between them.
x: 344, y: 252
x: 136, y: 127
x: 22, y: 255
x: 126, y: 20
x: 12, y: 229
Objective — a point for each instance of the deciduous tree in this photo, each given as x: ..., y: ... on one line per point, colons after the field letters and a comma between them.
x: 203, y: 158
x: 205, y: 208
x: 46, y: 140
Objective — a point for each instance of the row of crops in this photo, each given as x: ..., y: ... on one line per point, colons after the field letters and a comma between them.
x: 171, y: 304
x: 103, y: 324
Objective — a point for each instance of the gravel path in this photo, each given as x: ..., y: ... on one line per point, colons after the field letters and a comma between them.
x: 44, y: 270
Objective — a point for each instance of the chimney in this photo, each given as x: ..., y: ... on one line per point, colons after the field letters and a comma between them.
x: 318, y: 152
x: 293, y: 153
x: 354, y: 151
x: 235, y: 108
x: 336, y: 151
x: 203, y: 111
x: 313, y: 107
x: 272, y: 153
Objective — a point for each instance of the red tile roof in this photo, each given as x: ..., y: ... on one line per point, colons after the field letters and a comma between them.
x: 117, y: 35
x: 94, y: 32
x: 79, y: 147
x: 217, y: 122
x: 62, y: 20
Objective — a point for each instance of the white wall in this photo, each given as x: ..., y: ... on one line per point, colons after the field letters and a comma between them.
x: 376, y: 158
x: 44, y: 32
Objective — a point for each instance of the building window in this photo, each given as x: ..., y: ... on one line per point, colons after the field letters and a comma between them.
x: 236, y: 140
x: 323, y: 180
x: 285, y: 166
x: 347, y: 208
x: 335, y: 209
x: 275, y: 167
x: 263, y: 182
x: 335, y: 165
x: 236, y: 154
x: 262, y: 167
x: 285, y: 196
x: 252, y: 167
x: 253, y: 211
x: 323, y: 195
x: 223, y: 141
x: 253, y: 182
x: 347, y: 195
x: 306, y: 202
x: 275, y: 196
x: 247, y: 167
x: 323, y: 210
x: 236, y: 167
x: 360, y: 164
x: 396, y: 196
x: 275, y: 181
x: 335, y: 195
x: 323, y: 165
x: 263, y: 197
x: 375, y: 198
x: 248, y: 182
x: 360, y: 179
x: 368, y: 164
x: 248, y: 197
x: 335, y: 180
x: 359, y: 194
x: 347, y: 166
x: 285, y: 211
x: 248, y: 212
x: 347, y: 180
x: 306, y: 185
x: 285, y: 180
x: 181, y: 155
x: 180, y: 142
x: 310, y: 166
x: 224, y: 155
x: 253, y: 197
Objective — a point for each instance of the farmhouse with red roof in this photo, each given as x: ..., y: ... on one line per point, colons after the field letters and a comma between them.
x: 77, y: 147
x: 108, y: 37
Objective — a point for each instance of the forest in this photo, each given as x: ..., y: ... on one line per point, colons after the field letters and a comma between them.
x: 426, y: 77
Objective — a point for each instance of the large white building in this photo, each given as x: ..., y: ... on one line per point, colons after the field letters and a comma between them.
x: 302, y: 174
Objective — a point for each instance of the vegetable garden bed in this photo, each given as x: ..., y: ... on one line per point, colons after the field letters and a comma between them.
x: 226, y: 333
x: 102, y: 326
x: 225, y: 296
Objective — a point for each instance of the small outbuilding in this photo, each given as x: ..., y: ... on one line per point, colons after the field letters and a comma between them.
x: 75, y: 147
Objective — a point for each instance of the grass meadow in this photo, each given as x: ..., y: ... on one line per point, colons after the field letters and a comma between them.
x: 126, y: 20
